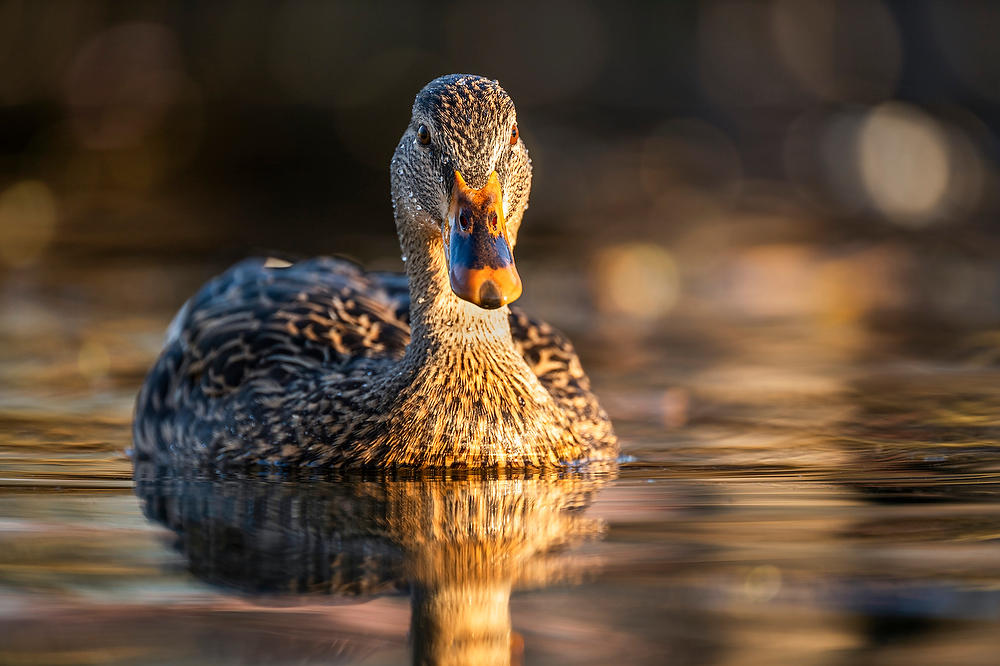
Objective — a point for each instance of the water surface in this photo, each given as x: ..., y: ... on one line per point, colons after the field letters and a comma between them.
x: 798, y: 488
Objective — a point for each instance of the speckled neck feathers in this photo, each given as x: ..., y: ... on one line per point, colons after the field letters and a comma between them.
x: 463, y: 390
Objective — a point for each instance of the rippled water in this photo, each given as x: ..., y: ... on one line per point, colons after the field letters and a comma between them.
x: 797, y: 489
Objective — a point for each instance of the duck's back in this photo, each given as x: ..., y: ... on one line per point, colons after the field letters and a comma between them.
x: 268, y: 346
x: 255, y: 330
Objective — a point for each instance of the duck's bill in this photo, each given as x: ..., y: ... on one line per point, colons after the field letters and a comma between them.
x: 480, y: 262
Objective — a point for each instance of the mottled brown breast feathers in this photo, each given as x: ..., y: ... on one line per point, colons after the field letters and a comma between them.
x: 264, y: 364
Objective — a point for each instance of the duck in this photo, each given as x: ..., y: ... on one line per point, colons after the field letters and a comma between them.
x: 319, y: 363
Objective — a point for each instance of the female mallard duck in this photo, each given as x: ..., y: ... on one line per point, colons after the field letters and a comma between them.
x: 320, y: 363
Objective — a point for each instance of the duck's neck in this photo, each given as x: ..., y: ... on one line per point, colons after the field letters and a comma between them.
x: 463, y: 393
x: 440, y: 321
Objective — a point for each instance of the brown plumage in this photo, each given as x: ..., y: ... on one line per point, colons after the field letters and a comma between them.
x: 320, y: 363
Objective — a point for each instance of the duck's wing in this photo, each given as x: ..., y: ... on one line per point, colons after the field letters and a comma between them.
x: 397, y: 288
x: 551, y: 356
x: 265, y: 316
x: 265, y: 323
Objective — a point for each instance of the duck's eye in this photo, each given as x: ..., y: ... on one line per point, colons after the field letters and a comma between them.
x: 423, y: 135
x: 513, y: 134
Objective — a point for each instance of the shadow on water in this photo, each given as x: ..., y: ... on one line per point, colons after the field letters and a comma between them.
x: 458, y: 545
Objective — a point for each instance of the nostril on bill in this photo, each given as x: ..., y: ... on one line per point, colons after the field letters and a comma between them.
x: 489, y: 295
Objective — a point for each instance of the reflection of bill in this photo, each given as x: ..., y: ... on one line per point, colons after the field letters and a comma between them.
x: 459, y: 544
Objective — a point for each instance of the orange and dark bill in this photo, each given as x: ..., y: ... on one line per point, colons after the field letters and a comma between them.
x: 480, y: 262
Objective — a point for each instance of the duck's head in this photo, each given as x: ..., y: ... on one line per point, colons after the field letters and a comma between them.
x: 460, y: 182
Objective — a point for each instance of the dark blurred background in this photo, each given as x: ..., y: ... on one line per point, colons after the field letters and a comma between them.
x: 794, y: 157
x: 770, y: 229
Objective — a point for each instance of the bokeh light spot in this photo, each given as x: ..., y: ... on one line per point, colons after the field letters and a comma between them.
x: 122, y: 83
x: 638, y: 280
x: 689, y: 151
x: 762, y: 583
x: 676, y: 407
x: 738, y: 64
x: 838, y: 50
x: 904, y: 163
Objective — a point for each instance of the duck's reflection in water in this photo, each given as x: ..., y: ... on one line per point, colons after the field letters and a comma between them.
x: 460, y: 545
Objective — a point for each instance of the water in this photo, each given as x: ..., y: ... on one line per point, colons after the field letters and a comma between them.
x: 798, y: 489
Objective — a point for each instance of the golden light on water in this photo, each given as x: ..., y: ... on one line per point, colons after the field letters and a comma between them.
x: 904, y: 163
x: 676, y: 407
x: 783, y: 280
x: 638, y: 280
x: 27, y: 222
x: 93, y: 360
x: 762, y: 583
